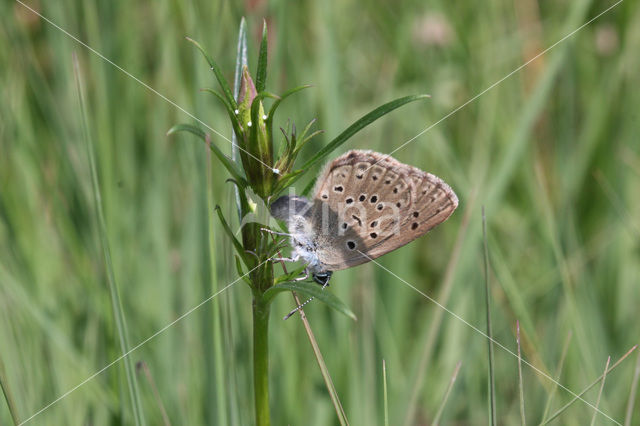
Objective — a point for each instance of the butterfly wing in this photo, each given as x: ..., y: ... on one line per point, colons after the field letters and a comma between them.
x: 377, y: 205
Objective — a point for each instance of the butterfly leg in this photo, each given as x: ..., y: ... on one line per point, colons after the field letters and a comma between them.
x: 285, y: 259
x: 269, y: 231
x: 303, y: 277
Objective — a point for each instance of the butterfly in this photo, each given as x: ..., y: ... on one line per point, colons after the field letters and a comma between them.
x: 365, y: 204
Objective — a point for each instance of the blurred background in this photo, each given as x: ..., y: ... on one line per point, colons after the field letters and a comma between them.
x: 552, y: 152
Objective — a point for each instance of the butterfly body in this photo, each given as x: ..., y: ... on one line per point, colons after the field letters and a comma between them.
x: 365, y: 204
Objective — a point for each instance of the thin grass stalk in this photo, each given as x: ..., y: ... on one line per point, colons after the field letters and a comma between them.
x: 492, y: 384
x: 632, y: 393
x: 588, y: 388
x: 116, y: 302
x: 142, y: 366
x: 384, y: 393
x: 7, y: 395
x: 454, y: 376
x: 604, y: 377
x: 333, y: 394
x: 520, y: 386
x: 565, y: 350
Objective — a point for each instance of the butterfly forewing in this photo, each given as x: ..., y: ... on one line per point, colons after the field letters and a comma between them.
x: 376, y: 204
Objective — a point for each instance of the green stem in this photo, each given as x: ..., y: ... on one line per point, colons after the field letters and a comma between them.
x: 261, y: 360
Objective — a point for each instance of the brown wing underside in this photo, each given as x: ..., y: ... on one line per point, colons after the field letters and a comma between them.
x: 376, y: 203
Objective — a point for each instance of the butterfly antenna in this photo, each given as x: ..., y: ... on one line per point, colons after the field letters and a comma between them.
x: 286, y: 317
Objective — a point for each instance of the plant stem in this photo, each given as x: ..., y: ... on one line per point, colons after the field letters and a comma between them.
x: 261, y: 360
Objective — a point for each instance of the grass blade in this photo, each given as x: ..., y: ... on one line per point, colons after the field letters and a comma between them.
x: 588, y: 388
x: 116, y: 302
x: 492, y: 385
x: 333, y: 394
x: 454, y: 376
x: 604, y: 376
x: 359, y: 125
x: 384, y: 393
x: 7, y: 395
x: 565, y: 349
x: 144, y: 368
x: 632, y: 393
x: 522, y: 416
x: 337, y: 405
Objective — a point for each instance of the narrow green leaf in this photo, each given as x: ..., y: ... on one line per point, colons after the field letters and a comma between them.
x: 234, y: 240
x: 277, y: 103
x: 291, y: 276
x: 232, y: 115
x: 216, y: 70
x: 307, y: 189
x: 241, y: 272
x: 307, y: 139
x: 227, y: 162
x: 359, y: 125
x: 261, y: 73
x: 311, y: 290
x: 243, y: 203
x: 187, y: 128
x: 286, y: 181
x: 307, y: 128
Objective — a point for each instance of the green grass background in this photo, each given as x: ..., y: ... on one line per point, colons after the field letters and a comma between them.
x: 553, y: 154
